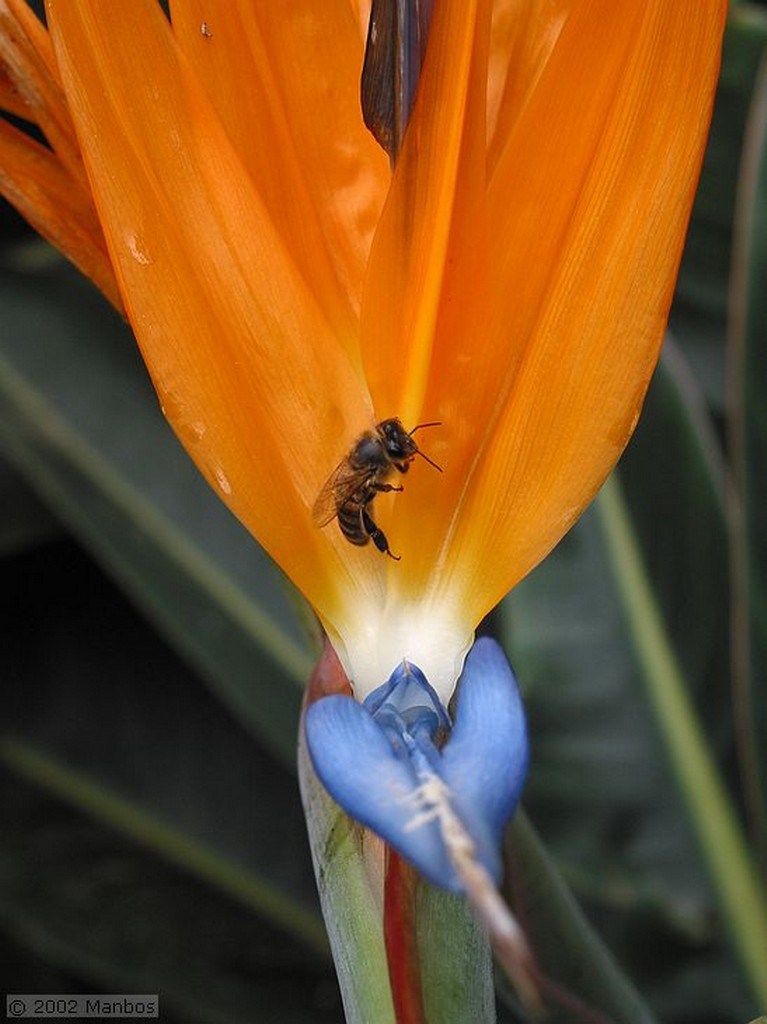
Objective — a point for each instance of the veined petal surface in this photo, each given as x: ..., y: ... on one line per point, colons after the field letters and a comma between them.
x: 540, y: 364
x: 248, y: 370
x: 522, y: 39
x: 284, y: 79
x: 411, y: 248
x: 603, y: 207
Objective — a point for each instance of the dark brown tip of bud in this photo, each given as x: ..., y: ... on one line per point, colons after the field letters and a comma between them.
x: 396, y: 44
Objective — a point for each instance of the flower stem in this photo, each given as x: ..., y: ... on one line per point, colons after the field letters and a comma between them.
x: 738, y: 888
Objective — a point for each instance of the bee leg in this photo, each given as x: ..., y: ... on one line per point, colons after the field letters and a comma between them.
x: 377, y: 535
x: 383, y: 488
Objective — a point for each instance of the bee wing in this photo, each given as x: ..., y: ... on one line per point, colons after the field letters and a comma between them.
x: 338, y: 488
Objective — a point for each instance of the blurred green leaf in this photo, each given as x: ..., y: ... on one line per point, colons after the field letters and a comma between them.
x: 24, y: 520
x: 699, y: 314
x: 118, y: 919
x: 673, y: 476
x: 116, y: 728
x: 748, y: 432
x: 79, y: 419
x: 740, y: 896
x: 600, y: 787
x: 584, y: 981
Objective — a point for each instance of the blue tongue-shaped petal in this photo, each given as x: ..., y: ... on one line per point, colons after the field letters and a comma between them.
x: 485, y: 762
x: 360, y: 769
x: 380, y: 761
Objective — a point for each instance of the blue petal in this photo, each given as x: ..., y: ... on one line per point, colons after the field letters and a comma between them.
x: 359, y: 768
x: 374, y: 758
x: 407, y: 701
x: 485, y: 761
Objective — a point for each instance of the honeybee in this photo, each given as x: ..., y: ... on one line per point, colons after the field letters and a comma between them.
x: 349, y: 491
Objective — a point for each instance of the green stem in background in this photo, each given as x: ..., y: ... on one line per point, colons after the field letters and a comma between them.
x: 746, y: 380
x: 108, y: 808
x: 721, y: 837
x: 580, y: 980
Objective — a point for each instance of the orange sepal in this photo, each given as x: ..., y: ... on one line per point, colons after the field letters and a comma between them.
x: 27, y: 57
x: 523, y: 36
x: 298, y: 130
x: 33, y: 180
x: 435, y: 175
x: 586, y: 214
x: 361, y: 13
x: 250, y: 375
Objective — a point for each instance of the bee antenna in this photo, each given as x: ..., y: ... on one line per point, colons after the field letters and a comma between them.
x: 422, y: 425
x: 426, y: 457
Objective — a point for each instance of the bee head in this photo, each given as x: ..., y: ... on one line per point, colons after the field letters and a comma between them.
x: 398, y: 443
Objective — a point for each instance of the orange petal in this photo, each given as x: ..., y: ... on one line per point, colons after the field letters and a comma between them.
x: 33, y: 180
x: 411, y: 246
x: 10, y: 100
x: 27, y: 56
x: 523, y: 35
x: 542, y: 355
x: 285, y: 82
x: 586, y: 216
x: 47, y: 185
x: 429, y: 239
x: 251, y: 377
x: 361, y: 12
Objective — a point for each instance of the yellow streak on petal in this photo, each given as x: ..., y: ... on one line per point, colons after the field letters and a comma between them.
x: 407, y: 263
x: 452, y: 265
x: 249, y: 373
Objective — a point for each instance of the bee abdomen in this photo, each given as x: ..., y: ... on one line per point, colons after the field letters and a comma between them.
x: 351, y: 524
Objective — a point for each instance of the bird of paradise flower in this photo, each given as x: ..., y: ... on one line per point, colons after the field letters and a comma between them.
x: 509, y: 279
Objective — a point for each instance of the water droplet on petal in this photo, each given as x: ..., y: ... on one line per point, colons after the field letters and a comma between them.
x: 222, y: 481
x: 137, y: 251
